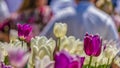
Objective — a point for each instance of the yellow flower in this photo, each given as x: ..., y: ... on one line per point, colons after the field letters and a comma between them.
x: 60, y: 29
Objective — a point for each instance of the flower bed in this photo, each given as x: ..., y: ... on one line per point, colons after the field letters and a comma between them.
x: 66, y: 52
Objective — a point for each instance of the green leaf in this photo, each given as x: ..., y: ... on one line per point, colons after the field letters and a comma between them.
x: 6, y: 61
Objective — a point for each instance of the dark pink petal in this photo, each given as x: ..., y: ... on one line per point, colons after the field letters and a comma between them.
x: 2, y: 65
x: 27, y: 29
x: 92, y: 45
x: 20, y: 30
x: 24, y: 31
x: 81, y: 61
x: 65, y: 60
x: 74, y: 64
x: 62, y: 60
x: 88, y: 48
x: 97, y: 45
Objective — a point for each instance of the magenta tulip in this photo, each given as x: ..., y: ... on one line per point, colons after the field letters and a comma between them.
x: 92, y: 45
x: 64, y: 60
x: 24, y: 31
x: 2, y: 65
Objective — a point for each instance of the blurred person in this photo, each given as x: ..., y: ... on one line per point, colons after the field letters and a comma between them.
x: 4, y: 32
x: 4, y: 12
x: 85, y: 18
x: 59, y: 5
x: 34, y: 12
x: 49, y: 2
x: 105, y: 5
x: 116, y: 18
x: 114, y: 2
x: 117, y: 8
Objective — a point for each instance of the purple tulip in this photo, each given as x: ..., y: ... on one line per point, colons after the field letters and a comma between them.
x: 18, y: 57
x: 92, y: 45
x: 2, y: 65
x: 64, y: 60
x: 24, y: 31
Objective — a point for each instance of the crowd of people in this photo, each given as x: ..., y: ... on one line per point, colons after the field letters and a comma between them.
x: 81, y: 16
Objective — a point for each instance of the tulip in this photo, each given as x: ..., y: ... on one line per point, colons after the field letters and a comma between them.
x: 24, y: 31
x: 44, y: 63
x: 18, y: 57
x: 92, y: 45
x: 2, y: 65
x: 60, y: 30
x: 64, y: 60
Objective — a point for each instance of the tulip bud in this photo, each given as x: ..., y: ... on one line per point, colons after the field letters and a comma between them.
x: 92, y: 45
x: 60, y: 29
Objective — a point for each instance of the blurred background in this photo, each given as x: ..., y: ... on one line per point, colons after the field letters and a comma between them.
x: 39, y: 13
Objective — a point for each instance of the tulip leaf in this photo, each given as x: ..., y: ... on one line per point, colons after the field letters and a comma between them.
x: 6, y: 61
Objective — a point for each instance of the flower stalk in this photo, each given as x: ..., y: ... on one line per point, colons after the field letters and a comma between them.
x: 95, y: 64
x: 89, y: 65
x: 107, y: 65
x: 58, y: 44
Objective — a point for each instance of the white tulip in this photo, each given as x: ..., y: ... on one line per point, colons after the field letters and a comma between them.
x: 60, y: 29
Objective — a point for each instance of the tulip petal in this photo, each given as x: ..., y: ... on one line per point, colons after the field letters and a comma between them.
x: 62, y: 60
x: 92, y: 45
x: 88, y: 48
x: 74, y: 64
x: 97, y: 45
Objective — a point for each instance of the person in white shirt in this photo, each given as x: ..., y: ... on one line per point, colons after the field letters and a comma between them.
x: 85, y: 18
x: 59, y: 5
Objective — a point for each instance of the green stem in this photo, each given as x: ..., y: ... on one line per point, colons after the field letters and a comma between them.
x: 89, y: 66
x: 22, y: 43
x: 107, y: 63
x: 95, y: 64
x: 104, y: 66
x: 58, y: 44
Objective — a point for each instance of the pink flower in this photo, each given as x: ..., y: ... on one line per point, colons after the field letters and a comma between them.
x: 18, y: 57
x: 2, y: 65
x: 92, y: 45
x: 24, y: 31
x: 64, y: 60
